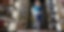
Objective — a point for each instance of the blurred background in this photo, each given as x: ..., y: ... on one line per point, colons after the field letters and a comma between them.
x: 31, y: 15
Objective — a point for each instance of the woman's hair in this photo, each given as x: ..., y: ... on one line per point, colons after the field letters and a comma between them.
x: 1, y: 1
x: 42, y: 1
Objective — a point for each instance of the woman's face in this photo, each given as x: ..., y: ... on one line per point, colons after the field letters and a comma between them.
x: 37, y: 2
